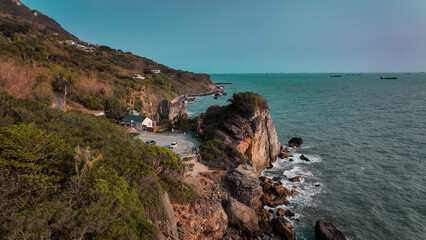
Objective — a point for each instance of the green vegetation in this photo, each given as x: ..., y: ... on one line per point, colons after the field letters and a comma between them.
x: 179, y: 192
x: 99, y: 79
x: 248, y: 102
x: 219, y: 154
x: 70, y: 175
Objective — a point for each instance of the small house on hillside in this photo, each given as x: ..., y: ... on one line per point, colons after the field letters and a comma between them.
x: 156, y: 71
x: 138, y: 122
x: 138, y: 76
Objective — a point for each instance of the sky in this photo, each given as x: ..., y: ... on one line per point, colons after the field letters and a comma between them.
x: 246, y: 36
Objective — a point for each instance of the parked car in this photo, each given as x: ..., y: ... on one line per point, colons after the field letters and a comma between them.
x: 151, y: 142
x: 173, y: 145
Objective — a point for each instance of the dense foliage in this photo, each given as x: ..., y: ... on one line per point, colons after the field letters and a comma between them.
x: 70, y: 175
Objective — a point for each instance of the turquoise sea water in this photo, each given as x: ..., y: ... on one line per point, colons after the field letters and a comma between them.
x: 367, y: 141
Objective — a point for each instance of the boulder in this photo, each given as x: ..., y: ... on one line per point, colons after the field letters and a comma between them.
x: 280, y: 200
x: 295, y: 179
x: 289, y: 213
x: 325, y: 230
x: 283, y: 228
x: 294, y: 192
x: 286, y: 150
x: 217, y: 223
x: 282, y: 191
x: 264, y: 215
x: 295, y: 142
x: 284, y: 155
x: 303, y: 157
x: 267, y: 187
x: 281, y: 212
x: 277, y: 179
x: 291, y: 160
x: 265, y: 226
x: 242, y: 217
x: 266, y: 198
x: 244, y: 185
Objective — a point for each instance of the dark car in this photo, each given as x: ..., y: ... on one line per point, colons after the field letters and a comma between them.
x: 151, y: 142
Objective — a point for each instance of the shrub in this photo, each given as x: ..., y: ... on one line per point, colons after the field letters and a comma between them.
x: 248, y: 102
x: 216, y: 153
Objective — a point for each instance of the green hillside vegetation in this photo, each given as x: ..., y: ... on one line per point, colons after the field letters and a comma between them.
x: 71, y: 175
x: 36, y: 60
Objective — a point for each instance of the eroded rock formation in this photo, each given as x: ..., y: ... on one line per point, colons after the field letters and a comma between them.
x: 172, y: 111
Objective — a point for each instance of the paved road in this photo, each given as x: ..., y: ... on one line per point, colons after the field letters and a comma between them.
x: 185, y: 142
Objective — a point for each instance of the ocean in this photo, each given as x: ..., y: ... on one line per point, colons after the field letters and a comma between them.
x: 366, y: 139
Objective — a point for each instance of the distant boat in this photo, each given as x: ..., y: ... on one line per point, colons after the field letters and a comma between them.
x: 383, y: 77
x: 335, y: 75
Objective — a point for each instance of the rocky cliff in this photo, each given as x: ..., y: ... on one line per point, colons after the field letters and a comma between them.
x: 244, y: 125
x: 171, y: 110
x: 240, y: 140
x: 264, y: 146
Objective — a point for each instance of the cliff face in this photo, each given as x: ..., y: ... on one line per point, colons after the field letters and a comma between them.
x: 244, y: 125
x: 264, y: 146
x: 171, y: 110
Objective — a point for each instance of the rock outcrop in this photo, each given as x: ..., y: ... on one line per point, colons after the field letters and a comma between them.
x: 283, y: 228
x: 325, y: 230
x: 295, y: 142
x: 264, y: 146
x: 246, y: 124
x: 242, y: 217
x: 172, y: 111
x: 244, y: 185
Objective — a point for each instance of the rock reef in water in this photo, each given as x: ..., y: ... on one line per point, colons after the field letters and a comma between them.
x: 295, y: 142
x: 325, y: 230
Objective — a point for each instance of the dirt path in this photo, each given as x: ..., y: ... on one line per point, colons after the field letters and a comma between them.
x: 58, y: 101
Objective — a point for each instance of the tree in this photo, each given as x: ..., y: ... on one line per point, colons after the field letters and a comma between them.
x: 34, y: 154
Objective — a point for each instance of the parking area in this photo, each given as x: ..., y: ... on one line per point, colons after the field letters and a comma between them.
x: 186, y: 143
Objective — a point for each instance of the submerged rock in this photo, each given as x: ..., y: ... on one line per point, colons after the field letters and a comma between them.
x: 283, y: 228
x: 295, y: 142
x: 296, y: 179
x: 282, y: 191
x: 284, y: 155
x: 289, y: 213
x: 325, y: 230
x: 303, y: 157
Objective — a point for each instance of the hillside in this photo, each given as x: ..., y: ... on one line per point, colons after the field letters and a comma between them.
x: 38, y: 57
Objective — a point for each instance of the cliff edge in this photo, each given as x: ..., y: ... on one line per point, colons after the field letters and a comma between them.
x: 242, y: 131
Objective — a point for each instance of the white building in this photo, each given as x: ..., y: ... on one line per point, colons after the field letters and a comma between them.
x: 156, y: 71
x: 138, y: 76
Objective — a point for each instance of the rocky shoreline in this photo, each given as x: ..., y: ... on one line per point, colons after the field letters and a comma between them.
x: 235, y: 202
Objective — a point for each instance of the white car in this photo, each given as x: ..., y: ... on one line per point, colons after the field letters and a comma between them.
x: 173, y: 145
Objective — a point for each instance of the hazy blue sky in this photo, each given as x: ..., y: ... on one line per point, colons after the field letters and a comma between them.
x: 245, y: 36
